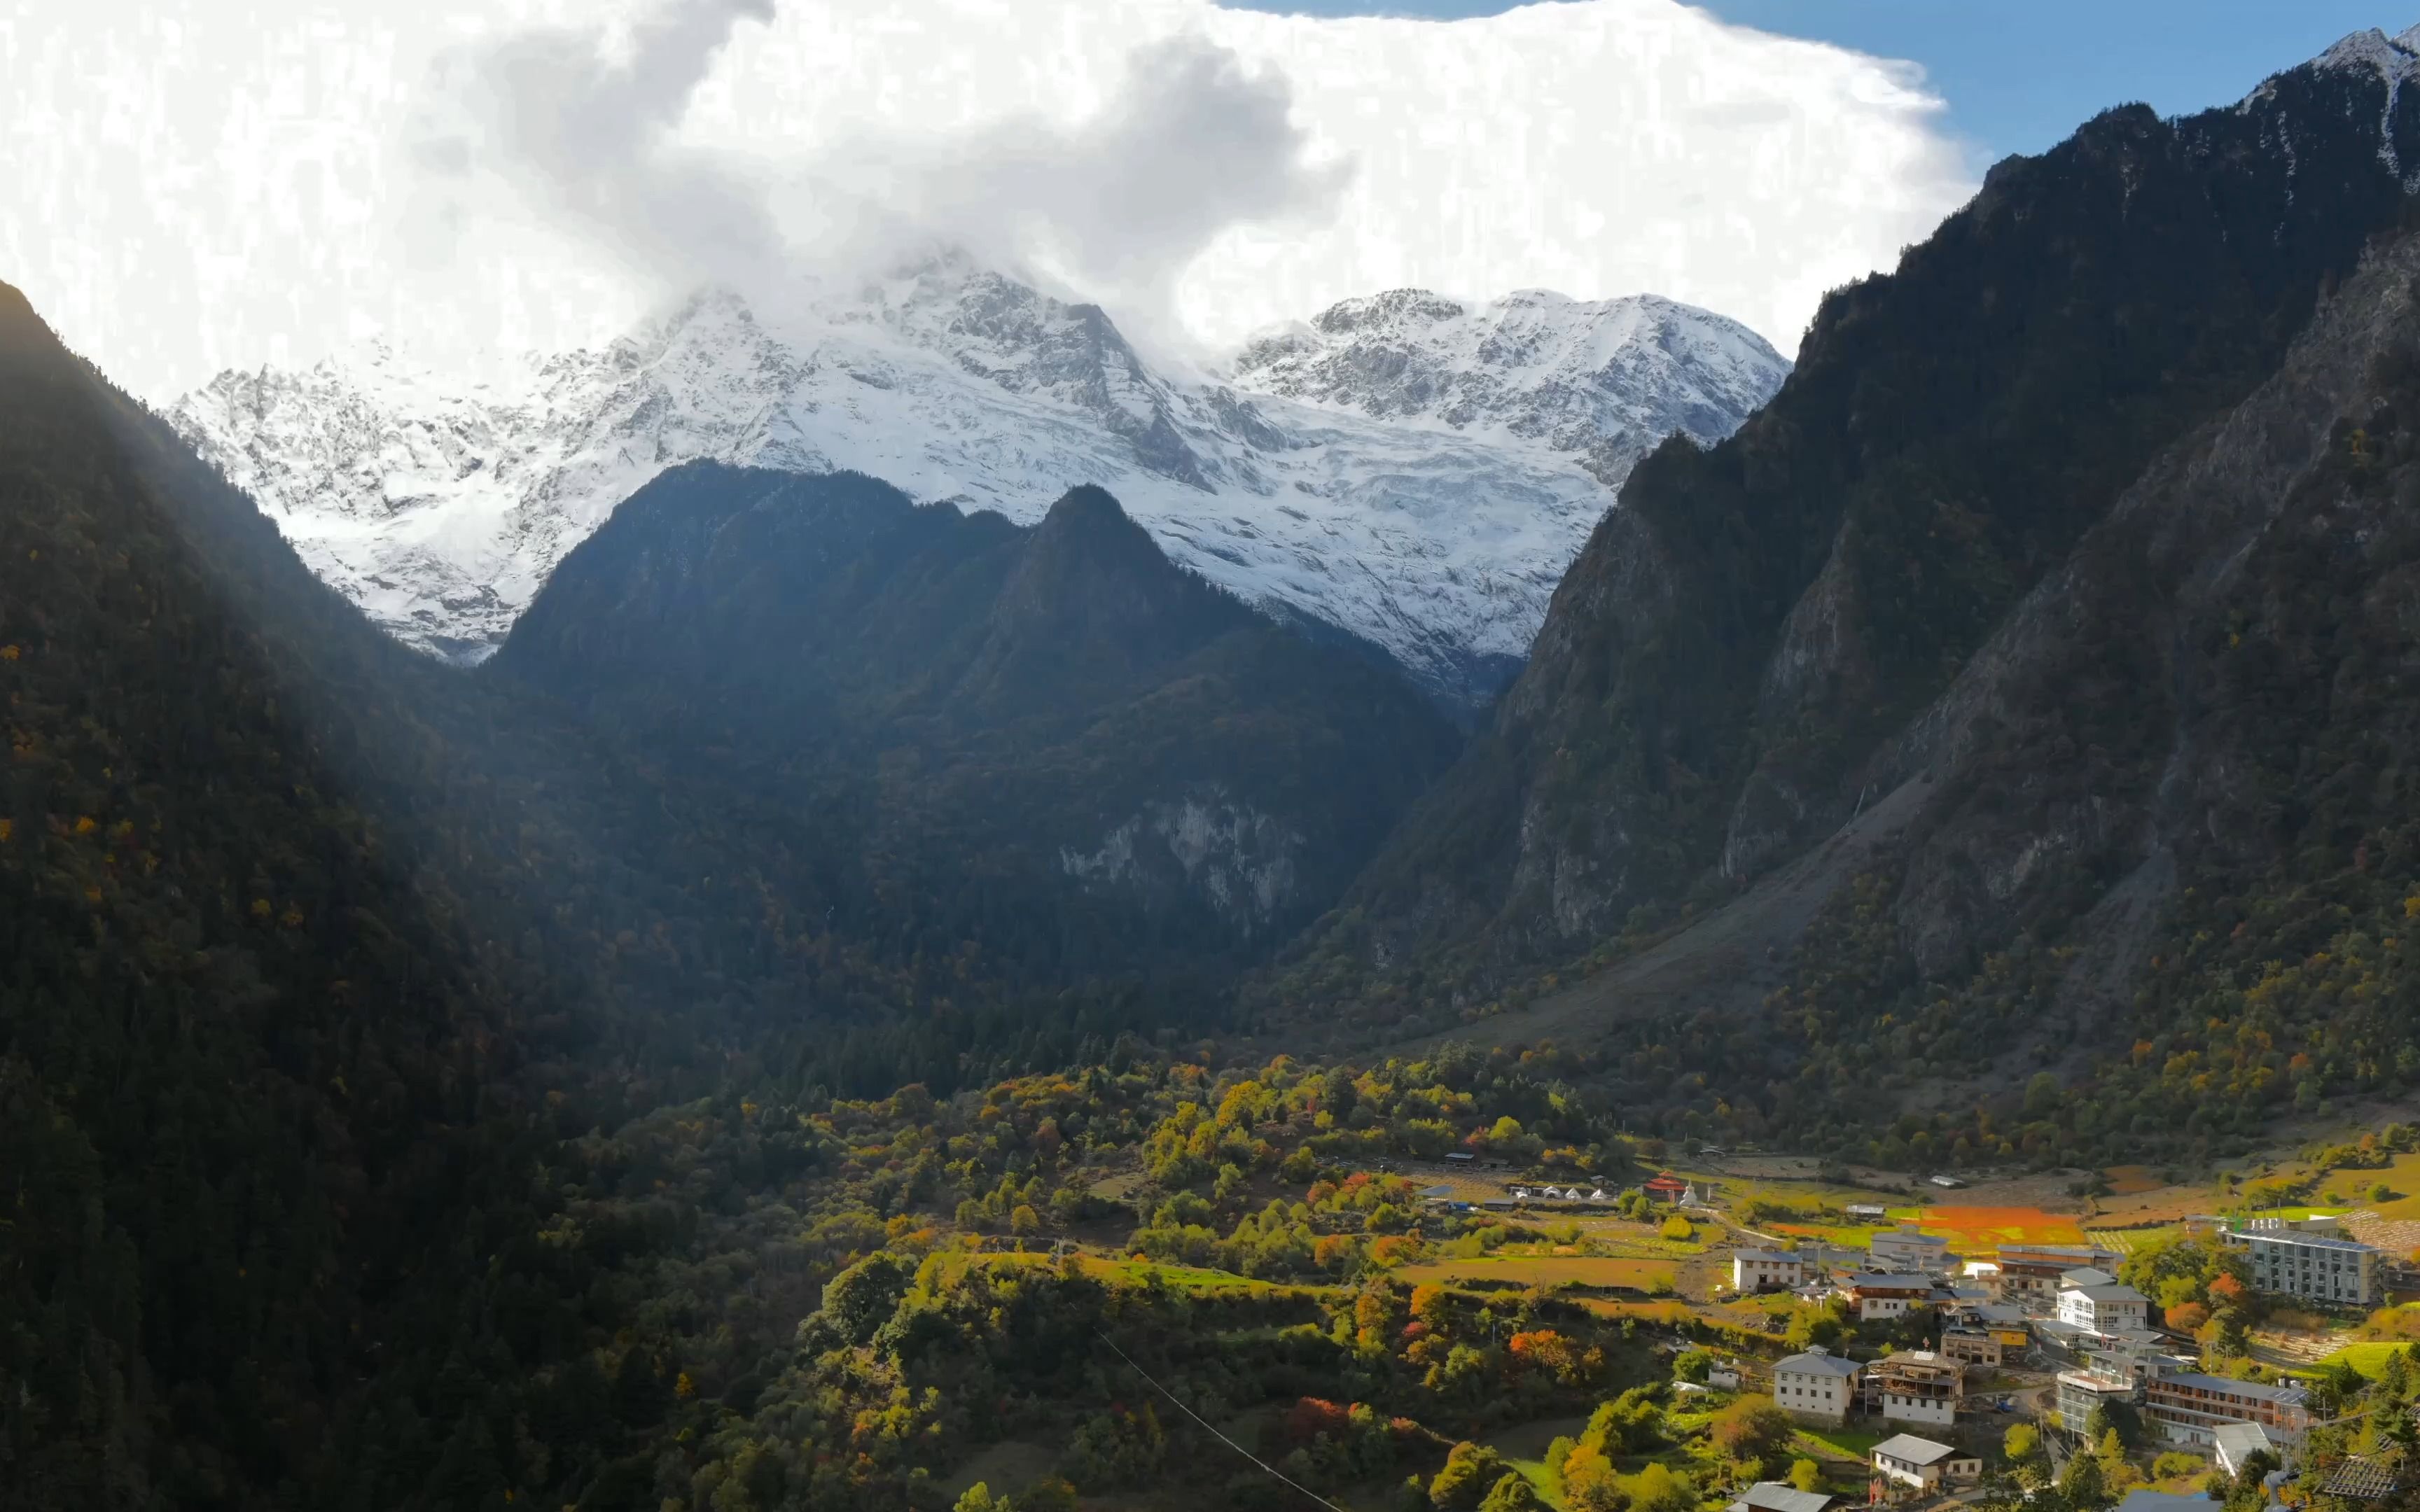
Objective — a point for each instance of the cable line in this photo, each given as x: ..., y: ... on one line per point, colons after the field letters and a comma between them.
x: 1214, y: 1432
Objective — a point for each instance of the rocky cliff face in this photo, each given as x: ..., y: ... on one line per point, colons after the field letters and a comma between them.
x: 1433, y: 531
x: 1744, y: 654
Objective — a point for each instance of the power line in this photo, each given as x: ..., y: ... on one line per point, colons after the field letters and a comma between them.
x: 1212, y: 1431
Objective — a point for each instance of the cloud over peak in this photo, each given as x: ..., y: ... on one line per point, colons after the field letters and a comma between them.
x: 208, y: 183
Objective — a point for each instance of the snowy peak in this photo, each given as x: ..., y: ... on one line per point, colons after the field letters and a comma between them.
x: 2395, y: 58
x: 1404, y: 468
x: 1535, y: 366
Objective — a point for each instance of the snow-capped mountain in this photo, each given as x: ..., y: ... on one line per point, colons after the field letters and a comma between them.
x: 1609, y: 378
x: 1434, y: 528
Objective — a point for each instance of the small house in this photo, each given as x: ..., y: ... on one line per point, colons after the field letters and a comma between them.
x: 1907, y: 1249
x: 1877, y: 1295
x: 1765, y: 1270
x: 1922, y: 1464
x: 1777, y: 1496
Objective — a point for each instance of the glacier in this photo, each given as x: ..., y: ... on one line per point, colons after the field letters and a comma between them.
x: 1410, y: 472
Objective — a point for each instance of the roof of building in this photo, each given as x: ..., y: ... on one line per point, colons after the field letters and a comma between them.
x: 2085, y: 1252
x: 1888, y: 1281
x: 2305, y: 1241
x: 1864, y: 1209
x: 2100, y: 1295
x: 2237, y: 1440
x: 1767, y: 1256
x: 1777, y: 1496
x: 1909, y: 1236
x: 2147, y: 1500
x: 2088, y: 1275
x: 2254, y: 1390
x: 1816, y: 1361
x: 1909, y: 1449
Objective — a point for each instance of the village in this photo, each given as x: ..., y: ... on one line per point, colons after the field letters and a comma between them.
x: 1934, y: 1347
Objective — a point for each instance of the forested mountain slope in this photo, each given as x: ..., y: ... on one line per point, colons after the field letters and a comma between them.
x: 1083, y: 750
x: 248, y: 1058
x: 1972, y: 544
x: 1738, y: 638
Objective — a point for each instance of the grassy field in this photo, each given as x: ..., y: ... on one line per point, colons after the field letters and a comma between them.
x: 1524, y: 1449
x: 1546, y: 1271
x: 1839, y: 1443
x: 2369, y: 1359
x: 1136, y: 1273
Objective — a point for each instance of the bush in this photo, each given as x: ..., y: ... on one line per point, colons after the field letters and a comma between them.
x: 1513, y: 1493
x: 1470, y: 1473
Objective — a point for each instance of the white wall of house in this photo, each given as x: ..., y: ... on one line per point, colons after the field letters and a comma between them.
x: 1898, y: 1407
x: 1826, y: 1394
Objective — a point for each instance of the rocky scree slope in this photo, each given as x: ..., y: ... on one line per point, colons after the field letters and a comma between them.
x: 1435, y: 531
x: 1730, y: 658
x: 1056, y: 707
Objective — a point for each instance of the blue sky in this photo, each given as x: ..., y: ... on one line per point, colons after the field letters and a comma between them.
x: 2020, y: 74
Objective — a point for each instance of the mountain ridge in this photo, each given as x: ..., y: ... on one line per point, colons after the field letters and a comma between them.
x: 1060, y: 700
x: 439, y: 506
x: 1741, y: 660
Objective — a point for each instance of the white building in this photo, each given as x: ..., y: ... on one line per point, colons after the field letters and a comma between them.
x: 2104, y: 1309
x: 1905, y: 1249
x: 1816, y: 1384
x: 1922, y: 1464
x: 1765, y: 1270
x: 2310, y: 1261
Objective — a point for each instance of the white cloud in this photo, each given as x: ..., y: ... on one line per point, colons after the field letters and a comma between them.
x: 203, y: 183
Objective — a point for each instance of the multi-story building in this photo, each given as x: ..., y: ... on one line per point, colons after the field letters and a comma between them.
x: 2108, y: 1309
x: 1972, y: 1346
x: 2033, y: 1272
x: 1818, y: 1384
x: 1917, y: 1387
x: 2311, y: 1261
x: 2103, y: 1379
x: 2190, y: 1408
x: 1766, y: 1269
x: 1906, y: 1250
